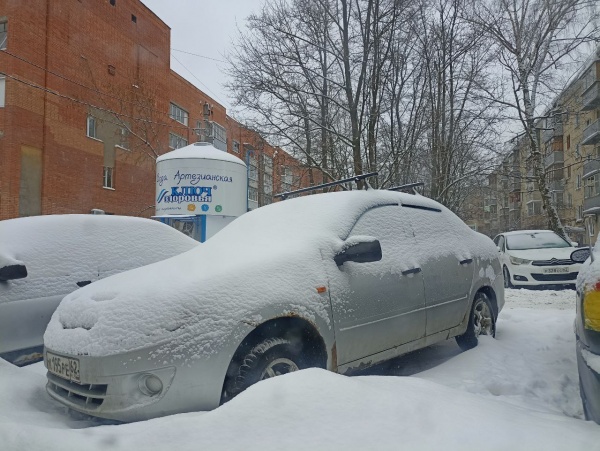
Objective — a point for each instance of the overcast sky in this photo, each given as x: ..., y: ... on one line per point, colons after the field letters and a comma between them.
x: 204, y: 28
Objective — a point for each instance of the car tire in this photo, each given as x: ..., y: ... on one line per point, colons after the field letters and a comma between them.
x: 507, y: 282
x: 272, y: 357
x: 481, y: 322
x: 586, y: 411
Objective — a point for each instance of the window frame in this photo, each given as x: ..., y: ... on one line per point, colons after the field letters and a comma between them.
x: 3, y: 34
x: 2, y: 91
x: 180, y: 139
x: 179, y: 114
x: 91, y: 129
x: 108, y: 177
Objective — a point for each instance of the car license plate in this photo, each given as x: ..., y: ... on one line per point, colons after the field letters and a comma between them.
x: 556, y: 270
x: 65, y: 367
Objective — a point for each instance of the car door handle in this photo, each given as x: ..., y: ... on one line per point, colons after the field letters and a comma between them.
x: 466, y: 261
x: 411, y: 271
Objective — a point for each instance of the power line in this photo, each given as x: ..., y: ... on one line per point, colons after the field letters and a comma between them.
x: 199, y: 81
x: 199, y: 56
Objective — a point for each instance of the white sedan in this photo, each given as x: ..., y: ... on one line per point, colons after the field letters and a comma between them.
x: 535, y: 258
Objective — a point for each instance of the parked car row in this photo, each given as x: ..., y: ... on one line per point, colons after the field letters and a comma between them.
x: 339, y: 281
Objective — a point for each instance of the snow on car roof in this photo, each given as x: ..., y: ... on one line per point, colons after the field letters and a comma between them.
x: 60, y: 250
x: 525, y: 232
x: 272, y: 255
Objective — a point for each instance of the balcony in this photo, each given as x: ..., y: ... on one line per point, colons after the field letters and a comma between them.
x: 591, y: 202
x: 556, y: 185
x: 515, y: 185
x: 590, y: 167
x: 547, y: 135
x: 591, y: 134
x: 514, y: 206
x: 554, y: 158
x: 590, y: 99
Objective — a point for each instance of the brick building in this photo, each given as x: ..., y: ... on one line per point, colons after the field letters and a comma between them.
x: 88, y: 101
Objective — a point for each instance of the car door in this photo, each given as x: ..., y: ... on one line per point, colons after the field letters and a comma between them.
x: 447, y: 268
x: 379, y: 305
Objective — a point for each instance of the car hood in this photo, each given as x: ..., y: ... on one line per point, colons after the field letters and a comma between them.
x: 560, y: 253
x: 190, y: 302
x: 270, y: 259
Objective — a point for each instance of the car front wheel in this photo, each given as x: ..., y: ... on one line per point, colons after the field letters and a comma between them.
x: 481, y: 322
x: 507, y: 282
x: 272, y: 357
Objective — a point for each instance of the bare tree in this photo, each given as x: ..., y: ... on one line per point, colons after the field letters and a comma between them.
x: 532, y: 37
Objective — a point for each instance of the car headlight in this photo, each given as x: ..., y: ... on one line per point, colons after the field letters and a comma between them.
x: 519, y: 261
x: 591, y: 308
x: 150, y: 385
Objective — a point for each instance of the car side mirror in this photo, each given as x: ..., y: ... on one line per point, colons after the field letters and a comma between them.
x: 364, y: 251
x: 12, y: 272
x: 580, y: 255
x: 498, y: 247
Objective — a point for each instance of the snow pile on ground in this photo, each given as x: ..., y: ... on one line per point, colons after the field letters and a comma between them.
x: 519, y: 391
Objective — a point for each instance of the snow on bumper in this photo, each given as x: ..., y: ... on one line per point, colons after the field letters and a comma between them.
x: 131, y: 386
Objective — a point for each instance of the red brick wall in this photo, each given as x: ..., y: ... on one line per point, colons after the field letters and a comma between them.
x: 99, y: 61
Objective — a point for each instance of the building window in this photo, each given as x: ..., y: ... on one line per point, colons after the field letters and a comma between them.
x: 133, y: 18
x: 108, y: 178
x: 3, y: 35
x: 124, y: 138
x: 579, y: 212
x: 578, y: 182
x: 569, y: 200
x: 592, y: 186
x: 286, y: 179
x: 2, y: 91
x: 577, y: 120
x: 236, y: 146
x: 179, y: 114
x: 91, y: 127
x: 113, y: 2
x: 253, y: 169
x: 252, y: 194
x: 176, y: 141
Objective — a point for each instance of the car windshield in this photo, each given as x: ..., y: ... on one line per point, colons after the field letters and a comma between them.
x: 535, y: 240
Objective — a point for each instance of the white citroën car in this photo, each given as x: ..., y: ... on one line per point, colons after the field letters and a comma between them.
x: 339, y: 281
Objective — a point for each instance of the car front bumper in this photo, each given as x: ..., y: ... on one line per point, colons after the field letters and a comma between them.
x: 531, y: 275
x: 109, y: 386
x: 590, y: 382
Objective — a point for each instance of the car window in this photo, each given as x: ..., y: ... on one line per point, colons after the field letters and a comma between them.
x: 501, y: 243
x: 535, y: 240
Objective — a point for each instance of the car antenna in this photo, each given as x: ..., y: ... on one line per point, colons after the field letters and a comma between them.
x: 407, y: 187
x: 356, y: 178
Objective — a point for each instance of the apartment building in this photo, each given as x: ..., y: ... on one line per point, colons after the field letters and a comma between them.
x: 88, y: 101
x: 569, y: 136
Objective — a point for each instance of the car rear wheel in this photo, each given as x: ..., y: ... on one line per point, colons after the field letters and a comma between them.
x: 481, y: 322
x: 272, y: 357
x: 507, y: 282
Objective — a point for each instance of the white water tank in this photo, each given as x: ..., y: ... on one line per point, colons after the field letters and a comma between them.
x: 202, y: 181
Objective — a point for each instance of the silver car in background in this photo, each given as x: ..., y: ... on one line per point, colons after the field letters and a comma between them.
x: 340, y: 281
x: 44, y: 258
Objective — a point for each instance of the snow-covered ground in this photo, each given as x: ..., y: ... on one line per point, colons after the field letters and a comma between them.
x: 518, y: 391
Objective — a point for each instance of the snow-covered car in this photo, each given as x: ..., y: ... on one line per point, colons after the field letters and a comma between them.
x: 536, y: 258
x: 44, y: 258
x: 587, y: 334
x: 339, y: 281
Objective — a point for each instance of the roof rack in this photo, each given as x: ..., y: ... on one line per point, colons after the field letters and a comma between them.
x: 408, y: 186
x: 356, y: 178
